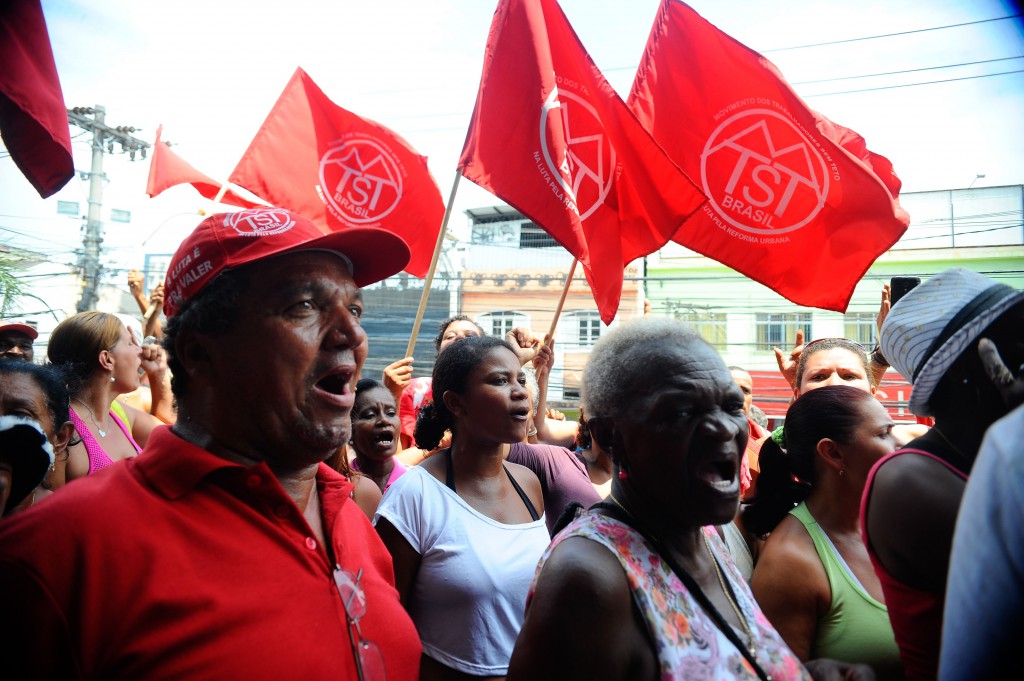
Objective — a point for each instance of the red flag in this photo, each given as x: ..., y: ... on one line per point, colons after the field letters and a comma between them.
x: 552, y: 138
x: 341, y: 170
x: 33, y: 119
x: 167, y: 169
x: 794, y: 200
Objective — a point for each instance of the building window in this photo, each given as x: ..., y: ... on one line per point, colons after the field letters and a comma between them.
x: 532, y: 236
x: 710, y: 325
x: 779, y: 330
x: 579, y: 330
x: 588, y: 328
x: 860, y: 327
x: 500, y: 323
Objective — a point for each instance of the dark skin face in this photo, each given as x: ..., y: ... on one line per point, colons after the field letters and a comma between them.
x: 15, y: 345
x: 375, y: 424
x: 496, y: 403
x: 681, y: 438
x: 20, y: 395
x: 278, y: 387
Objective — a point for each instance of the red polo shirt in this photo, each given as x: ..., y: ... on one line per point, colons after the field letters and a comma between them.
x: 181, y: 565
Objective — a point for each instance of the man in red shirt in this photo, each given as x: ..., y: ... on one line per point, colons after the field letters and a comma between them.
x: 227, y: 549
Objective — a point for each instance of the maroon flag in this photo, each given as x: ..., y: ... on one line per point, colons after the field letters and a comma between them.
x: 33, y: 118
x: 167, y: 169
x: 341, y: 170
x: 795, y: 201
x: 552, y: 138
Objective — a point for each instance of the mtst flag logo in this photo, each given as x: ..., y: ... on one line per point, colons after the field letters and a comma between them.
x: 762, y: 174
x: 361, y: 179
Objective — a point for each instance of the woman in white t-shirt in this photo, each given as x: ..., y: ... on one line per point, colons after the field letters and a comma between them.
x: 465, y: 528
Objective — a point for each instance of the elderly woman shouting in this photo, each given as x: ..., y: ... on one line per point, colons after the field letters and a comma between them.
x: 642, y: 573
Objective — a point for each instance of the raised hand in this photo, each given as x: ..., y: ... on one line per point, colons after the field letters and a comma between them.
x: 397, y: 375
x: 787, y: 364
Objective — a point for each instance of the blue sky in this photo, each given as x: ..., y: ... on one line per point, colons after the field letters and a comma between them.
x: 210, y: 71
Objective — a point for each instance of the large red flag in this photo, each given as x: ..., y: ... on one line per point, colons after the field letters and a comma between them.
x: 33, y: 118
x: 552, y: 138
x: 167, y: 169
x: 342, y: 170
x: 795, y: 201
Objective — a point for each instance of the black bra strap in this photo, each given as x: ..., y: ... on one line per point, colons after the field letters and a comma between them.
x: 522, y: 494
x: 450, y: 482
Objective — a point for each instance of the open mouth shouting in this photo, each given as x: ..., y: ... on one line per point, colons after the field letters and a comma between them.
x: 721, y: 474
x: 336, y: 387
x: 383, y: 441
x: 522, y: 414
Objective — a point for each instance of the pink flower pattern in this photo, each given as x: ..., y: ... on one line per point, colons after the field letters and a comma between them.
x: 689, y: 644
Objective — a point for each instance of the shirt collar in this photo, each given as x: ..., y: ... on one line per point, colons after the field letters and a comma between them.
x: 174, y: 466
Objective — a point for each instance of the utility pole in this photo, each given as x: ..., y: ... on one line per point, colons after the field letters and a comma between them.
x: 103, y: 140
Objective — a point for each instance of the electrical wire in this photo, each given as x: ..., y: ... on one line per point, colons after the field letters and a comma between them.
x: 930, y: 82
x: 891, y: 35
x: 893, y: 73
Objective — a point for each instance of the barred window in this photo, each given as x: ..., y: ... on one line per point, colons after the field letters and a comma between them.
x: 710, y: 325
x: 779, y: 330
x: 500, y: 323
x: 860, y: 327
x: 580, y: 330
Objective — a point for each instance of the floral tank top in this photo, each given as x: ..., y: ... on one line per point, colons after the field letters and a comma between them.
x: 689, y: 643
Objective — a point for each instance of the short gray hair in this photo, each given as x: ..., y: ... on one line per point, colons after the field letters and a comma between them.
x: 616, y: 368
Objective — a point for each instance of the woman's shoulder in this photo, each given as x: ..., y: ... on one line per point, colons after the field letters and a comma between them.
x: 523, y: 475
x: 913, y: 472
x: 789, y: 552
x: 366, y: 494
x: 577, y: 562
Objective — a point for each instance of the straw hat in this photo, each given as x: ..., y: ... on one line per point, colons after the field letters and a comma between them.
x: 931, y: 326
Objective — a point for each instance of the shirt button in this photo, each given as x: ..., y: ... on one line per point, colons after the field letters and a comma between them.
x: 253, y: 481
x: 311, y: 543
x: 282, y: 511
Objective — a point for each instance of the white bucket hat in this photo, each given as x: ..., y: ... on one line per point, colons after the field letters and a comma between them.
x: 929, y: 328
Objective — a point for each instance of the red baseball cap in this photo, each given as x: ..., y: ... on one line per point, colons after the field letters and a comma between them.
x: 228, y: 240
x: 20, y: 328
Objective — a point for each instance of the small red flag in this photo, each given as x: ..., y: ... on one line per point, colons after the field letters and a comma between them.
x: 341, y: 170
x: 167, y: 169
x: 795, y: 201
x: 33, y: 118
x: 552, y: 138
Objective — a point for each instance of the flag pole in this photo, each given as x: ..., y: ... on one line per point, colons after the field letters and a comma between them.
x: 433, y: 265
x: 221, y: 193
x: 561, y: 301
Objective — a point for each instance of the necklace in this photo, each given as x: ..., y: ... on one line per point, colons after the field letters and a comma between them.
x: 92, y: 417
x: 745, y: 648
x: 619, y: 504
x: 728, y: 594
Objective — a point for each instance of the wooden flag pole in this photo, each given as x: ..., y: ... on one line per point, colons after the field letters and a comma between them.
x: 433, y: 265
x: 561, y: 301
x: 221, y: 193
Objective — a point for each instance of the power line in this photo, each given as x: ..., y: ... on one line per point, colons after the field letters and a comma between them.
x: 893, y: 73
x: 927, y: 82
x: 892, y: 35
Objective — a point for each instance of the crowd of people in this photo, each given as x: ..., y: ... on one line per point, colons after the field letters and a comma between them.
x: 218, y: 492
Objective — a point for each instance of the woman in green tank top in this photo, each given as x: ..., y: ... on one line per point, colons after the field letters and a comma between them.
x: 813, y: 578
